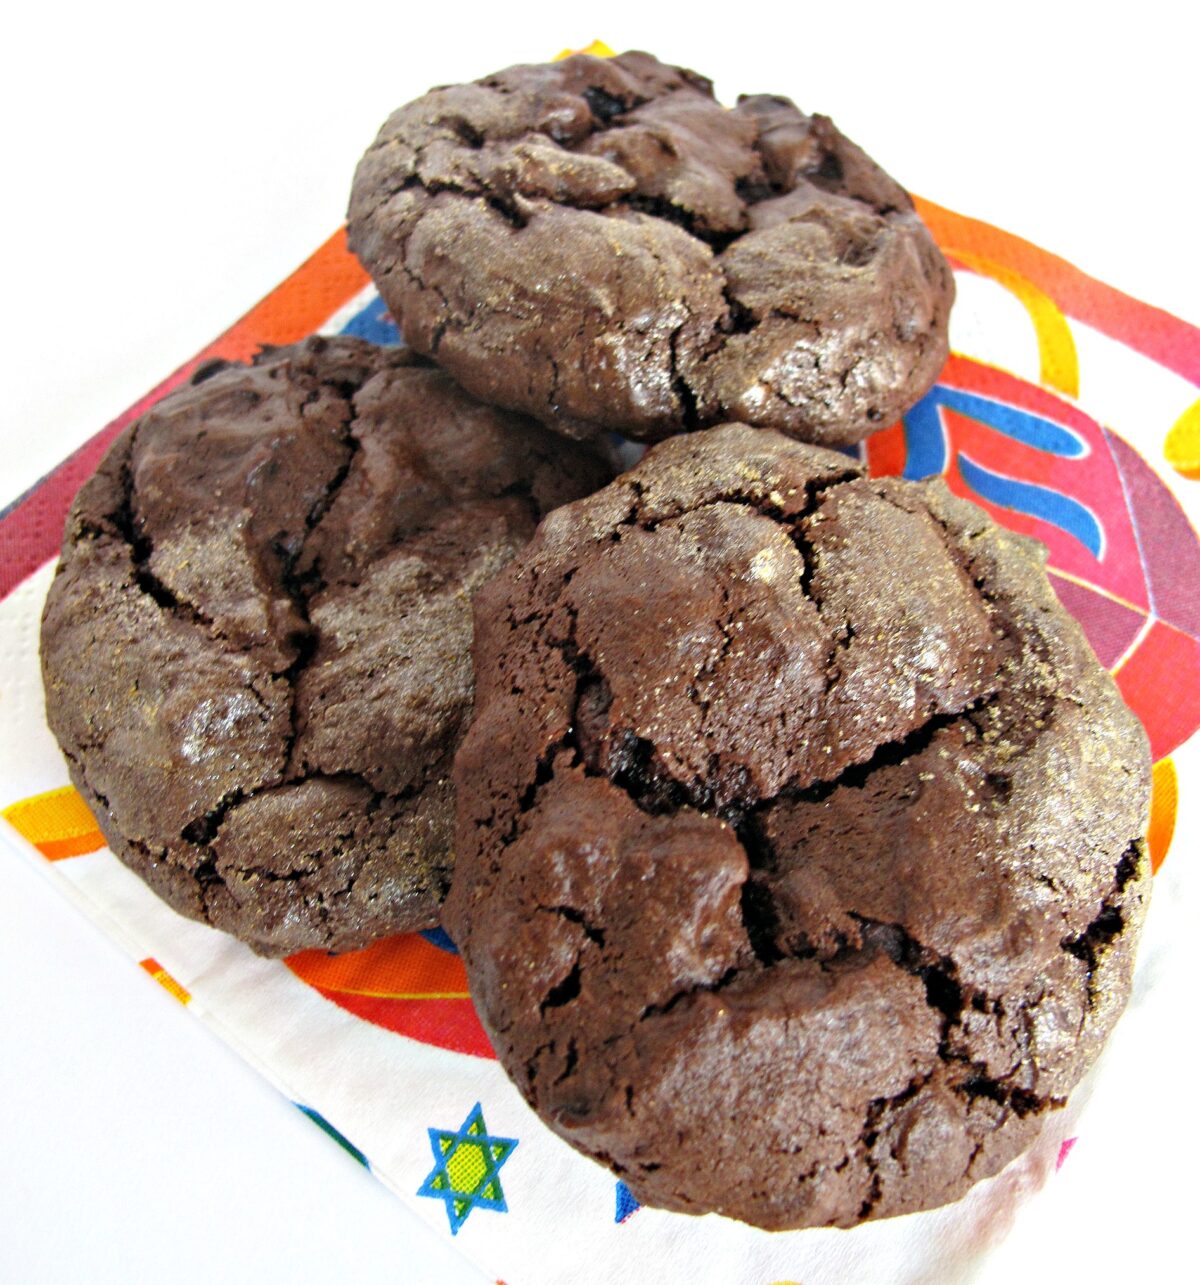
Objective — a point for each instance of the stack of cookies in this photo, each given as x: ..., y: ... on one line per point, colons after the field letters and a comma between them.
x: 786, y: 824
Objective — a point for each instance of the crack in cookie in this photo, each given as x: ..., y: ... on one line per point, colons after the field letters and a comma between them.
x: 257, y: 645
x: 839, y: 819
x: 599, y: 243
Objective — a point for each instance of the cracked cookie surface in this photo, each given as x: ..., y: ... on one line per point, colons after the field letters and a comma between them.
x: 256, y: 648
x: 601, y: 244
x: 799, y: 832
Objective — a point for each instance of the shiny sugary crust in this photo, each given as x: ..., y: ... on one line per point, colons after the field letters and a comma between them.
x: 599, y: 243
x: 256, y: 645
x: 800, y: 866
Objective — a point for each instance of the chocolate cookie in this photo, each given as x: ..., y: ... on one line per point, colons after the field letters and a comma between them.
x: 256, y: 646
x: 800, y: 865
x: 600, y: 243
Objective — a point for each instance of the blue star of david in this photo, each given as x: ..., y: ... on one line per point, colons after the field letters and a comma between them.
x: 466, y: 1170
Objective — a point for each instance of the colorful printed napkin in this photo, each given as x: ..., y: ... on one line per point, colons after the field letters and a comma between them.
x: 1069, y: 411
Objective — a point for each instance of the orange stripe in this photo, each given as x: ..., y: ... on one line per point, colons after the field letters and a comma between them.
x: 403, y: 967
x: 57, y: 822
x: 293, y: 310
x: 165, y: 980
x: 326, y: 281
x: 1151, y: 331
x: 77, y: 846
x: 1164, y: 800
x: 349, y: 990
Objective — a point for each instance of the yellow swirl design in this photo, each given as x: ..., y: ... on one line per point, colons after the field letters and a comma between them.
x: 1182, y: 447
x: 1056, y: 346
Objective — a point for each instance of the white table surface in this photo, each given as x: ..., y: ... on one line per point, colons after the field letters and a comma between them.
x: 165, y: 167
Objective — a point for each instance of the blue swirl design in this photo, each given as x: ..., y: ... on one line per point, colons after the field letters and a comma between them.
x: 1021, y: 425
x: 928, y: 447
x: 927, y: 453
x: 1059, y: 510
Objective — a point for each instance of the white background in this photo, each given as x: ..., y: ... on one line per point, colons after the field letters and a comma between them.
x: 164, y: 167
